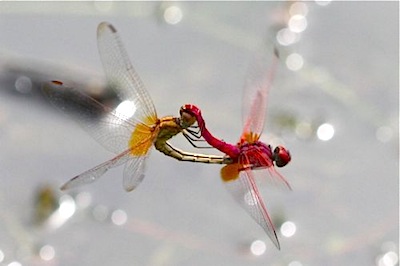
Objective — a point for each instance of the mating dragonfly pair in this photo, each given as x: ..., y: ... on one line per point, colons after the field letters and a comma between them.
x: 132, y: 137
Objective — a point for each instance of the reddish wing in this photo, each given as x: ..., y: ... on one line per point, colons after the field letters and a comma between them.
x: 256, y: 157
x: 244, y: 190
x: 255, y: 95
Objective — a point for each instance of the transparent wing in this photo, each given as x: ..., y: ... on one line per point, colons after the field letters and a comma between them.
x: 121, y: 75
x: 95, y: 173
x: 134, y: 172
x: 110, y: 129
x: 255, y: 94
x: 256, y: 158
x: 244, y: 190
x: 271, y: 177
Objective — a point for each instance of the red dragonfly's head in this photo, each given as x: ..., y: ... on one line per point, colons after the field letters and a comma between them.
x: 281, y: 156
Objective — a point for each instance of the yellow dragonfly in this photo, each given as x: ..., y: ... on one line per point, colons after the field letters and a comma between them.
x: 131, y: 137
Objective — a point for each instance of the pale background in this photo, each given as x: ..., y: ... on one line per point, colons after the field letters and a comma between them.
x: 344, y: 202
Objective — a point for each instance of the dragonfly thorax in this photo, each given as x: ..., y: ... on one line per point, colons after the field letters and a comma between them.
x: 256, y: 155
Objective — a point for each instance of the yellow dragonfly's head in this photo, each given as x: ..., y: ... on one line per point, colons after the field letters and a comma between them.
x: 187, y: 118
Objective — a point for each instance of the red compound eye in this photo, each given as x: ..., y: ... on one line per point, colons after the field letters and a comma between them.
x: 281, y: 156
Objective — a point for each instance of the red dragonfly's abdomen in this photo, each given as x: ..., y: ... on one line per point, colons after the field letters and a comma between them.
x: 231, y: 150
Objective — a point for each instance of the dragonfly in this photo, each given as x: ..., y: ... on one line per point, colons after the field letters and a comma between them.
x: 250, y: 153
x: 130, y: 137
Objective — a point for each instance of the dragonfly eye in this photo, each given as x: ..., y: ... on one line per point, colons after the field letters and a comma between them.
x: 281, y: 156
x: 187, y: 119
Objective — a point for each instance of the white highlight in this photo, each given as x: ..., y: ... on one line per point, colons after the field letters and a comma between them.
x: 119, y: 217
x: 295, y: 263
x: 126, y: 109
x: 294, y: 62
x: 63, y: 213
x: 14, y: 263
x: 47, y: 253
x: 287, y: 37
x: 288, y: 229
x: 297, y: 23
x: 325, y: 132
x: 388, y: 259
x: 323, y: 2
x: 258, y: 247
x: 173, y: 15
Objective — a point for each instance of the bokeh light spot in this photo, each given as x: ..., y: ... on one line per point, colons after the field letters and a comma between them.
x: 14, y: 263
x: 173, y: 15
x: 47, y: 253
x: 388, y: 259
x: 119, y: 217
x: 323, y: 2
x: 298, y: 8
x: 287, y: 37
x: 83, y: 199
x: 23, y: 84
x: 297, y: 23
x: 258, y: 247
x: 295, y: 263
x: 294, y: 62
x: 325, y: 132
x: 288, y: 229
x: 67, y: 207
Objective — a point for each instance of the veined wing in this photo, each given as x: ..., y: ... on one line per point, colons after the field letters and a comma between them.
x: 134, y: 172
x: 255, y: 95
x: 257, y: 158
x: 244, y: 190
x: 121, y: 75
x: 96, y: 172
x: 105, y: 125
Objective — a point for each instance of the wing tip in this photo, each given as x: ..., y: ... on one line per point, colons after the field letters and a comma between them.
x: 276, y: 241
x: 106, y: 25
x: 129, y: 189
x: 69, y: 184
x: 64, y: 187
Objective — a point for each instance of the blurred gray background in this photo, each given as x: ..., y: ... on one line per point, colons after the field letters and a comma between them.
x: 334, y: 104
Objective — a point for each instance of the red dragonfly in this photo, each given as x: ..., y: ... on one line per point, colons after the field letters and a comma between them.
x: 250, y: 153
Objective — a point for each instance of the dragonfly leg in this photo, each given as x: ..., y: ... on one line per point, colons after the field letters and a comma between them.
x: 180, y: 155
x: 187, y: 134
